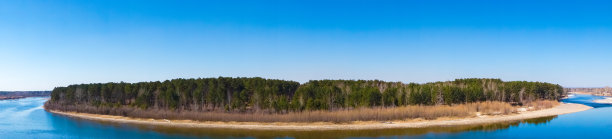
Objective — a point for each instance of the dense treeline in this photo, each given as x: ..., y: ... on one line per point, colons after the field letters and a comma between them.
x: 181, y: 94
x: 258, y: 94
x: 340, y: 94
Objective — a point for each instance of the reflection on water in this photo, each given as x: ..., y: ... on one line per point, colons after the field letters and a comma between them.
x: 241, y: 133
x: 349, y: 133
x: 25, y: 118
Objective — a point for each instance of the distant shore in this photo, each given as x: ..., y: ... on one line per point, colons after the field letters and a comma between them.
x: 563, y: 108
x: 606, y: 100
x: 590, y: 93
x: 8, y: 95
x: 11, y: 97
x: 17, y: 97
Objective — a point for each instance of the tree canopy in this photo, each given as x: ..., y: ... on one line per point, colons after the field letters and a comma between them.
x: 255, y: 94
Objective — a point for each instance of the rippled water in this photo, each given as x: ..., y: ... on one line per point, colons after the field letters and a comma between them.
x: 25, y: 118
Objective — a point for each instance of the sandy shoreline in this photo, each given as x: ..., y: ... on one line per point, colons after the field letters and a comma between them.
x: 563, y: 108
x: 607, y: 100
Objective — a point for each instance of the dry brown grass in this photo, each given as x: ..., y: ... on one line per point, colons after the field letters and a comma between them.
x: 542, y: 104
x: 491, y: 108
x: 338, y: 116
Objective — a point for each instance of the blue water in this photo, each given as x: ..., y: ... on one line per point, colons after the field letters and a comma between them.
x: 25, y: 118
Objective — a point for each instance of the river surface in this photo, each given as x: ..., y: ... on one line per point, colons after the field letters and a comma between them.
x: 26, y: 118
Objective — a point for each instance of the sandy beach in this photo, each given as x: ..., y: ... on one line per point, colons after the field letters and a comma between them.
x: 607, y: 100
x: 563, y: 108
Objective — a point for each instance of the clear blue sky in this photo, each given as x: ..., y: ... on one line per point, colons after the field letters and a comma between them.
x: 49, y: 43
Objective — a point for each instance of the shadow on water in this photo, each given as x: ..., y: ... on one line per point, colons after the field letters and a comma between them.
x: 241, y: 133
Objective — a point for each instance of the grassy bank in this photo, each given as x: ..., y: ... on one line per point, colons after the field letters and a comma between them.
x: 336, y: 116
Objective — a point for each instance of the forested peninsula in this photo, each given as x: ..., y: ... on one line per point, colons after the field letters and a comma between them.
x: 271, y: 100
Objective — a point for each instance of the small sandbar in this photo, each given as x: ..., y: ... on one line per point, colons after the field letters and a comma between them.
x: 563, y: 108
x: 607, y: 100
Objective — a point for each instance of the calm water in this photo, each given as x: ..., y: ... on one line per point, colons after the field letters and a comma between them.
x: 25, y: 118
